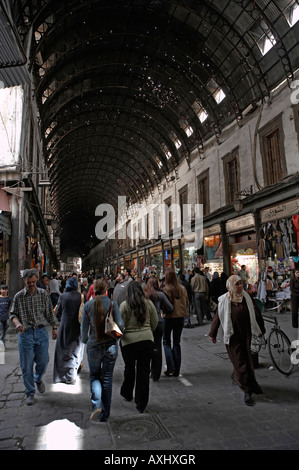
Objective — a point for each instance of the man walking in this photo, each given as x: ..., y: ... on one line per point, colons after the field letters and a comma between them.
x: 200, y: 288
x: 119, y: 293
x: 30, y: 312
x: 243, y: 273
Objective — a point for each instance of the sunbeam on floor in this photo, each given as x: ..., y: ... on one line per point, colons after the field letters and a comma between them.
x: 60, y: 435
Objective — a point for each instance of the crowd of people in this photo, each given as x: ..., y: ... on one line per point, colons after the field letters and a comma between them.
x: 151, y: 313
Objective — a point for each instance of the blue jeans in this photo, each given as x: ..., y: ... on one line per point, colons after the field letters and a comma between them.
x: 156, y: 365
x: 3, y: 329
x: 33, y: 348
x: 173, y: 354
x: 101, y: 361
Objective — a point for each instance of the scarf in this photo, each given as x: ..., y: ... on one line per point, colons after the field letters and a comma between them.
x: 71, y: 284
x: 230, y: 285
x: 224, y: 312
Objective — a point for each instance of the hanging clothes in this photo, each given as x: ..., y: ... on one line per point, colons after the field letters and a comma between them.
x: 295, y: 219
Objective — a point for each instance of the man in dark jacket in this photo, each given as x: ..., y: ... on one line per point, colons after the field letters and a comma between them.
x: 294, y: 287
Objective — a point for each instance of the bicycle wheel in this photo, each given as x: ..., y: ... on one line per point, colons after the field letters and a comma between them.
x: 280, y: 351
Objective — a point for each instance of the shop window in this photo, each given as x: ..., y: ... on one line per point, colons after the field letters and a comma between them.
x: 272, y: 150
x: 232, y: 176
x: 204, y: 192
x: 169, y: 215
x: 183, y: 198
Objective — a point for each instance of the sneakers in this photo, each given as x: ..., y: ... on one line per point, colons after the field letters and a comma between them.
x: 169, y: 373
x: 29, y: 400
x: 41, y: 387
x: 95, y: 414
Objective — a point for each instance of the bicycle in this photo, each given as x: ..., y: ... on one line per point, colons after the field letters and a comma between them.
x: 279, y: 345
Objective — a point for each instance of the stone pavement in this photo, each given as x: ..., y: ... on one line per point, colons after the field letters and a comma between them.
x: 200, y: 410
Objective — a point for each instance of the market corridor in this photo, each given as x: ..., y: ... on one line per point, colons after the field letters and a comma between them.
x: 200, y: 410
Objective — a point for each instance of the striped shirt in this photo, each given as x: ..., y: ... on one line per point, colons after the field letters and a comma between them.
x: 33, y: 311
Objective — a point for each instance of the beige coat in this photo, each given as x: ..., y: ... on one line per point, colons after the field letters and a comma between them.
x: 199, y: 284
x: 180, y: 305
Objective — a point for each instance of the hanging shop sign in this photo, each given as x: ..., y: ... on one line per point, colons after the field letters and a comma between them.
x: 156, y: 249
x: 240, y: 223
x: 188, y: 238
x: 280, y: 211
x: 213, y: 230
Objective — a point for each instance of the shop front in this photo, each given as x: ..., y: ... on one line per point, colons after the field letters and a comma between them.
x: 141, y: 261
x: 5, y: 232
x: 156, y: 260
x: 121, y: 264
x: 134, y: 268
x: 175, y: 262
x: 243, y: 248
x: 278, y: 245
x: 167, y: 255
x: 212, y: 249
x: 128, y: 262
x: 189, y: 254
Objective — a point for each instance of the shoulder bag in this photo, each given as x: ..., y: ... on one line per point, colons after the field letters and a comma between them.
x: 111, y: 328
x: 81, y: 308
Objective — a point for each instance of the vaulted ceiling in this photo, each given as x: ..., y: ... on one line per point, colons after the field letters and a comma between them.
x: 122, y: 87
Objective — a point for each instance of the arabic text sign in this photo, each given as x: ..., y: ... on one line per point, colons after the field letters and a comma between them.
x: 280, y: 211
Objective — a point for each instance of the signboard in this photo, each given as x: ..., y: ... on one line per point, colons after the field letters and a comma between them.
x: 286, y: 209
x: 240, y: 223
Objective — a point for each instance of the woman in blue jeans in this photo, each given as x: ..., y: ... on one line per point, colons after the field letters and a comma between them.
x: 153, y: 292
x: 174, y: 323
x: 102, y: 350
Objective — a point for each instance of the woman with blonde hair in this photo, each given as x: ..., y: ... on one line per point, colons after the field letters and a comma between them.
x: 240, y: 318
x: 102, y: 350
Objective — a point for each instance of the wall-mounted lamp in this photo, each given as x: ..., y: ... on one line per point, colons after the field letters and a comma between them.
x: 238, y: 205
x: 170, y: 178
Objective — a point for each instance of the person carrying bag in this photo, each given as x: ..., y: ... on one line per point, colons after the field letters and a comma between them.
x: 102, y: 350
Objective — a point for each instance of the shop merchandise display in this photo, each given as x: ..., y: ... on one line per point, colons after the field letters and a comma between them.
x: 278, y: 255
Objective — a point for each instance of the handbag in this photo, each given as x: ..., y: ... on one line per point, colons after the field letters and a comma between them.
x: 81, y: 308
x: 111, y: 328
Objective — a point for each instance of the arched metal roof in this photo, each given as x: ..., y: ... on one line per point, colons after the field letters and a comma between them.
x: 121, y: 85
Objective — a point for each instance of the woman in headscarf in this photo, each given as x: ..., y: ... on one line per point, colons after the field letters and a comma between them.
x: 67, y: 356
x: 240, y: 318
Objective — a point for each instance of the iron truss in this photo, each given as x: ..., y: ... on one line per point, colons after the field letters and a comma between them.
x: 120, y: 86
